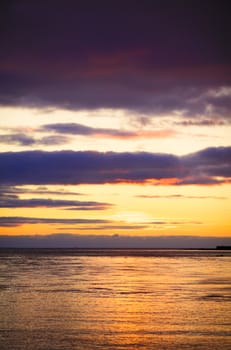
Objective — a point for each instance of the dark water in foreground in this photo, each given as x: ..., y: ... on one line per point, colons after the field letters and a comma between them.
x: 115, y: 299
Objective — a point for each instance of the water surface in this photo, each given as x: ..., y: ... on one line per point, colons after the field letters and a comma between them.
x: 115, y: 299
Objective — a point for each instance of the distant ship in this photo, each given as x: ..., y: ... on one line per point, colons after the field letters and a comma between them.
x: 223, y: 247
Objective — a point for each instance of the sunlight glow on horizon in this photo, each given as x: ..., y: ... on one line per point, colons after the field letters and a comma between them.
x: 182, y: 210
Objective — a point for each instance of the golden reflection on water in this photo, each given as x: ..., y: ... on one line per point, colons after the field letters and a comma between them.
x: 113, y: 302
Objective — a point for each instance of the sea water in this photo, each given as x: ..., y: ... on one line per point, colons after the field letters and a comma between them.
x: 115, y: 299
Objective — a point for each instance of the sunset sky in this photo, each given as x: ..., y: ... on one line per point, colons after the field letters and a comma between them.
x: 115, y: 123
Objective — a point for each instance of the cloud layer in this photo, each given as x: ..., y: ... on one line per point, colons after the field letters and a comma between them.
x: 154, y: 56
x: 206, y: 167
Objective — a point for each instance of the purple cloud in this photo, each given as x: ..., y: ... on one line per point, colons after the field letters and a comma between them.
x: 80, y: 167
x: 152, y: 56
x: 23, y: 139
x: 12, y: 201
x: 209, y: 166
x: 79, y: 129
x: 18, y: 139
x: 69, y: 167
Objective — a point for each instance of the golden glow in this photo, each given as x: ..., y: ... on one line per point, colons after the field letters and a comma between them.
x: 132, y: 217
x: 165, y: 210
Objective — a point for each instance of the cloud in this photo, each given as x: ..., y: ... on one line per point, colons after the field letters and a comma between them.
x: 202, y: 122
x: 9, y: 198
x: 206, y: 167
x: 13, y: 221
x: 64, y: 131
x: 114, y: 241
x: 12, y: 201
x: 79, y: 129
x: 150, y: 56
x: 22, y: 139
x: 108, y: 227
x: 166, y: 222
x: 212, y: 164
x: 15, y: 190
x: 68, y: 167
x: 18, y: 139
x: 179, y: 196
x: 52, y: 140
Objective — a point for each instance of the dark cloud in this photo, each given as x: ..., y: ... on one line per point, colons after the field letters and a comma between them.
x: 61, y: 130
x: 23, y: 139
x: 202, y: 122
x: 18, y: 139
x: 113, y: 241
x: 140, y: 226
x: 209, y: 166
x: 175, y: 223
x: 15, y: 190
x: 89, y: 224
x: 109, y: 227
x: 52, y: 140
x: 212, y: 165
x: 12, y: 201
x: 158, y: 56
x: 12, y: 221
x: 9, y: 198
x: 79, y: 129
x: 69, y: 167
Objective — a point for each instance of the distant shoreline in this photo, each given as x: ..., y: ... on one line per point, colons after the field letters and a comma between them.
x: 116, y: 252
x: 110, y: 248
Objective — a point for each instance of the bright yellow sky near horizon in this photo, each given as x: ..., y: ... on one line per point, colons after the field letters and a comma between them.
x: 187, y: 210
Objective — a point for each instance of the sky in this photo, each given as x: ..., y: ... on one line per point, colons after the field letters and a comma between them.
x: 115, y: 123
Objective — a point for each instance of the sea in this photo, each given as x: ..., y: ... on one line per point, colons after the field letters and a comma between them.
x: 117, y: 299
